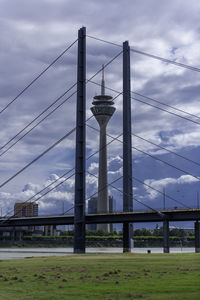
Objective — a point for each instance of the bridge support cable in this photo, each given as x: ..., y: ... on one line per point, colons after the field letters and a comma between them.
x: 152, y: 156
x: 65, y: 100
x: 117, y: 139
x: 79, y: 214
x: 166, y: 236
x: 55, y: 186
x: 164, y: 110
x: 154, y: 106
x: 60, y: 177
x: 38, y: 116
x: 166, y: 163
x: 166, y: 105
x: 26, y: 133
x: 38, y: 76
x: 104, y: 146
x: 169, y: 151
x: 163, y: 148
x: 109, y: 184
x: 163, y: 216
x: 161, y: 192
x: 165, y: 60
x: 38, y: 157
x: 197, y: 236
x: 41, y: 196
x: 65, y: 212
x: 105, y: 65
x: 127, y: 148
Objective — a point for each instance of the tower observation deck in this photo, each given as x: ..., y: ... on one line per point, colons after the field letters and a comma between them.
x: 103, y: 110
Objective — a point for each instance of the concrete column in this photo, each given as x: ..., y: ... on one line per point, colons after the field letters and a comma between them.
x: 197, y: 236
x: 12, y: 234
x: 103, y: 203
x: 45, y: 230
x: 127, y: 237
x: 54, y: 230
x: 166, y: 236
x: 18, y: 235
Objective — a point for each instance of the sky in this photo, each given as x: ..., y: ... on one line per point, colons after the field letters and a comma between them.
x: 34, y: 33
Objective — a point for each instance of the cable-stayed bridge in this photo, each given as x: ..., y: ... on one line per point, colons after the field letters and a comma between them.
x: 128, y: 215
x: 120, y: 217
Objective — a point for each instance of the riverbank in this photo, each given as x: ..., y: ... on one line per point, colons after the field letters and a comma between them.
x: 102, y: 277
x: 96, y: 241
x: 19, y: 253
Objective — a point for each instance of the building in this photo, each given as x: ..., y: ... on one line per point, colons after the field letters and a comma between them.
x: 30, y: 209
x: 92, y: 209
x: 26, y: 209
x: 22, y: 209
x: 103, y: 110
x: 50, y: 230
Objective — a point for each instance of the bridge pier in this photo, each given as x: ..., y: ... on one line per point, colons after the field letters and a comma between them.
x: 197, y: 236
x: 18, y: 235
x: 166, y: 236
x: 127, y: 237
x: 13, y: 234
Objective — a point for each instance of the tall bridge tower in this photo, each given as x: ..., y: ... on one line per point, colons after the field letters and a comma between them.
x: 103, y: 110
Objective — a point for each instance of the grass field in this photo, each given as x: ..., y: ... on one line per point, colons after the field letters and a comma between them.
x: 113, y: 276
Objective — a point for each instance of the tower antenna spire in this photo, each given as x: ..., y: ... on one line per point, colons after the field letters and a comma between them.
x: 102, y: 82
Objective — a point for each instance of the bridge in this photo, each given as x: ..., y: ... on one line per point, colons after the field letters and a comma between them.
x: 128, y: 216
x: 120, y: 217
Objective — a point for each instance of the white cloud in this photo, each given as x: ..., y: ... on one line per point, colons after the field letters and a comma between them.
x: 93, y: 167
x: 64, y: 192
x: 116, y: 159
x: 164, y: 182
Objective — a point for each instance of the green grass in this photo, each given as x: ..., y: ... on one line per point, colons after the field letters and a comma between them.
x: 94, y: 277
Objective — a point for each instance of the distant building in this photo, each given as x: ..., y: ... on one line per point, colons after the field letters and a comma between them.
x: 26, y: 209
x: 23, y: 209
x: 50, y: 230
x: 30, y: 209
x: 92, y: 209
x: 92, y: 205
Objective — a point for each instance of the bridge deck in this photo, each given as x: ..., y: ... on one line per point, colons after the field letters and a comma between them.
x: 120, y: 217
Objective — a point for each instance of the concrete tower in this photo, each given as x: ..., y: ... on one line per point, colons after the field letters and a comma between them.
x: 103, y: 111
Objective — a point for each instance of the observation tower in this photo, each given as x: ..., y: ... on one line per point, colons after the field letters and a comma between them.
x: 103, y: 110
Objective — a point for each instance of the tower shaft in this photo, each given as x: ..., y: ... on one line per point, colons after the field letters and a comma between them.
x: 103, y: 201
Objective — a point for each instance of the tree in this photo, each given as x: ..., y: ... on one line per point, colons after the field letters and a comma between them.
x: 142, y: 232
x: 158, y: 231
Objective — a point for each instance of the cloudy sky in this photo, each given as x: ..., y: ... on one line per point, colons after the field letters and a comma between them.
x: 34, y: 33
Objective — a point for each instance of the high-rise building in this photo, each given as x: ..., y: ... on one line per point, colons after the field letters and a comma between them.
x: 92, y: 209
x: 26, y: 209
x: 103, y: 110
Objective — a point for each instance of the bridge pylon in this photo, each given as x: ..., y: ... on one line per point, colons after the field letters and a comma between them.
x: 79, y: 211
x: 127, y: 148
